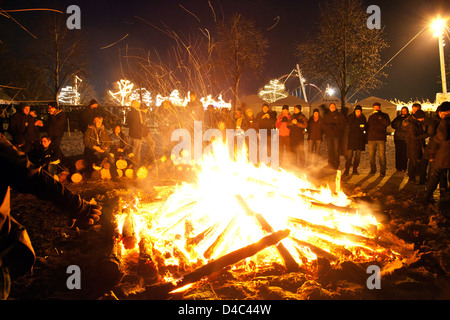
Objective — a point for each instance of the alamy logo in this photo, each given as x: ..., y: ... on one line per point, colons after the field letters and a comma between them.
x: 374, y: 281
x: 374, y: 21
x: 257, y: 143
x: 74, y: 280
x: 74, y: 20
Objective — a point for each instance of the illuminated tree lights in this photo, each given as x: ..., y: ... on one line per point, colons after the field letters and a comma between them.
x: 273, y: 91
x: 125, y: 95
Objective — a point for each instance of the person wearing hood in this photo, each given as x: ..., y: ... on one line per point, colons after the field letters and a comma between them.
x: 356, y: 140
x: 297, y: 125
x: 401, y: 159
x: 415, y: 142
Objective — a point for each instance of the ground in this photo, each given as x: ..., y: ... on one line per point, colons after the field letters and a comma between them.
x: 396, y: 203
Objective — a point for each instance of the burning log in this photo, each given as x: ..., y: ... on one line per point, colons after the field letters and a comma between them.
x: 289, y: 261
x: 318, y: 251
x: 129, y: 238
x: 219, y: 264
x: 209, y: 252
x: 338, y: 234
x: 201, y: 236
x: 331, y: 206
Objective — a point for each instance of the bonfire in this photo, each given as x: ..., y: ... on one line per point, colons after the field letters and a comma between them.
x: 247, y: 217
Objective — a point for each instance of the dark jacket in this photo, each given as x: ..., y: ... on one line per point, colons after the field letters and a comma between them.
x: 17, y: 127
x: 135, y: 122
x: 315, y: 129
x: 415, y: 137
x: 118, y: 141
x: 400, y: 131
x: 265, y: 122
x: 86, y: 117
x: 377, y: 125
x: 440, y: 145
x: 432, y: 125
x: 356, y: 132
x: 57, y: 125
x: 42, y: 156
x: 334, y: 124
x: 298, y: 130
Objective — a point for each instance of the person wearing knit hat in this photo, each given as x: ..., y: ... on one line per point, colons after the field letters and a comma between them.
x: 415, y: 144
x: 87, y: 115
x: 439, y: 151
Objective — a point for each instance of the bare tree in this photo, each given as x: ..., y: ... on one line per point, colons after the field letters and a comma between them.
x: 344, y: 52
x: 240, y: 48
x: 59, y: 53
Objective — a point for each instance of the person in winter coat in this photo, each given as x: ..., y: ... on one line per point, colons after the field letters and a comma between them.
x: 283, y: 132
x: 401, y: 158
x: 87, y: 115
x: 376, y: 136
x: 315, y: 136
x: 135, y: 123
x: 433, y: 124
x: 415, y: 142
x: 47, y: 156
x: 17, y: 255
x: 297, y: 125
x: 56, y: 126
x: 334, y: 122
x: 439, y: 151
x: 32, y: 133
x: 265, y: 120
x: 168, y: 120
x: 18, y: 125
x: 356, y: 139
x: 97, y: 143
x: 119, y: 144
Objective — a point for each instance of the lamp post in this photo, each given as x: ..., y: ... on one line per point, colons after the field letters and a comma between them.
x: 438, y: 27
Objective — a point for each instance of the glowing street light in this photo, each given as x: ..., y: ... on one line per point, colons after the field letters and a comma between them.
x: 438, y: 26
x: 329, y: 91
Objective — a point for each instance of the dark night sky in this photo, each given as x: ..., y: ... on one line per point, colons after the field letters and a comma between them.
x: 413, y: 74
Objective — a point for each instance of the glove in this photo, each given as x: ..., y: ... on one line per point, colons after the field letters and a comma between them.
x: 86, y: 216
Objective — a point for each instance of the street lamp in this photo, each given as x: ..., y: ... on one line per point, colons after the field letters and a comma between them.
x: 438, y: 25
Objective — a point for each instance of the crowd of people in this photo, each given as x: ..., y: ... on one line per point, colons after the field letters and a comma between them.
x: 299, y: 138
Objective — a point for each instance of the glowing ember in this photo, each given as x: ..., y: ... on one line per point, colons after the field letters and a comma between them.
x: 234, y: 204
